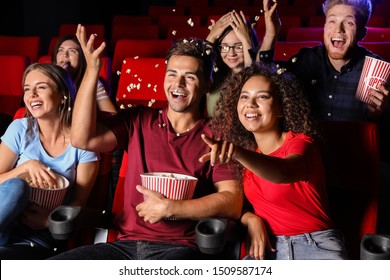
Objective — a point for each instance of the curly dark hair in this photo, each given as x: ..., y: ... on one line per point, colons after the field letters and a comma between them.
x: 294, y: 104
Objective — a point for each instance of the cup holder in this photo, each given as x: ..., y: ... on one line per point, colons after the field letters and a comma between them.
x: 63, y: 221
x: 210, y: 235
x: 375, y: 247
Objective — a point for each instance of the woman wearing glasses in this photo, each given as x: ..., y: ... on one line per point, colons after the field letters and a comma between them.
x: 233, y: 37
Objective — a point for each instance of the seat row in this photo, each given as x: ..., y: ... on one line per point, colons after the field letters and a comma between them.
x: 128, y: 74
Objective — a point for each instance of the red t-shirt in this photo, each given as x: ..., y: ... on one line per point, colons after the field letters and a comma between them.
x: 153, y: 146
x: 295, y: 208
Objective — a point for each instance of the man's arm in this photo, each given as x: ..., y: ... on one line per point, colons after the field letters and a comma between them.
x: 226, y: 202
x: 86, y: 133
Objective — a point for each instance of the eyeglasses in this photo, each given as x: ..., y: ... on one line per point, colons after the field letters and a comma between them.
x: 226, y: 48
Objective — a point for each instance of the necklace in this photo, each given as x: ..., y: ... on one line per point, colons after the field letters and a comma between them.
x: 178, y: 134
x: 163, y: 125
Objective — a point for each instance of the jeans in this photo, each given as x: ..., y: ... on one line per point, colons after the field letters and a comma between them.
x: 319, y: 245
x: 132, y: 250
x: 14, y: 196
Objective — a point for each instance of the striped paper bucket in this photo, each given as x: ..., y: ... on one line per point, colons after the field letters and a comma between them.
x: 48, y: 198
x: 375, y: 72
x: 171, y: 185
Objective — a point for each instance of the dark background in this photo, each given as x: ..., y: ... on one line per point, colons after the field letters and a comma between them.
x: 43, y: 17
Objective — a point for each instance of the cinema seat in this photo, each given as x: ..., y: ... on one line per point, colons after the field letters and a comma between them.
x: 141, y: 82
x: 351, y: 157
x: 29, y: 46
x: 11, y: 90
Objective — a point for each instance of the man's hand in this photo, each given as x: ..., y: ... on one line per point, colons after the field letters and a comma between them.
x: 155, y: 205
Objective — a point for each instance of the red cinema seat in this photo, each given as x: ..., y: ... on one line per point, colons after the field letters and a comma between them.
x: 353, y: 178
x: 29, y: 46
x: 127, y: 31
x: 12, y: 68
x: 138, y: 48
x: 71, y: 28
x: 285, y: 49
x: 141, y: 82
x: 305, y: 34
x: 167, y: 21
x: 377, y: 34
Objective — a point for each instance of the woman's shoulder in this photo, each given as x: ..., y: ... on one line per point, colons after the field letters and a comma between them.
x: 18, y: 125
x: 297, y: 137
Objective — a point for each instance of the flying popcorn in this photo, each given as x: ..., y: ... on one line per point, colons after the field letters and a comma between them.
x: 151, y: 102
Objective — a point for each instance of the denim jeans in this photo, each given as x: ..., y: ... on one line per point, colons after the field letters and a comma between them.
x: 132, y: 250
x: 319, y: 245
x: 14, y: 196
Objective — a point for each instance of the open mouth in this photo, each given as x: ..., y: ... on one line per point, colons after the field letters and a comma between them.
x: 338, y: 42
x: 177, y: 94
x: 251, y: 116
x: 36, y: 104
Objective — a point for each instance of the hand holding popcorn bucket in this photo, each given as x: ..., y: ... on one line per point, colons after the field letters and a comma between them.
x: 171, y: 185
x: 375, y: 73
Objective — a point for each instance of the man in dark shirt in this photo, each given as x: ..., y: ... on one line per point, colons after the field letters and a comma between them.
x: 330, y: 75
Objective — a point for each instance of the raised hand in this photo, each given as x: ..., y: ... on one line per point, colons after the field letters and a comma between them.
x: 217, y: 27
x: 91, y: 54
x: 272, y: 25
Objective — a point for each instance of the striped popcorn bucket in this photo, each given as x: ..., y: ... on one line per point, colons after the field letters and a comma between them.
x: 375, y: 72
x: 48, y: 198
x: 171, y: 185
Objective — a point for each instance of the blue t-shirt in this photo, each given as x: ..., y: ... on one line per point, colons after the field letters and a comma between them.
x: 29, y: 147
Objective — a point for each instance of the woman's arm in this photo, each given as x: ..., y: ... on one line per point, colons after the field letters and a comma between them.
x: 226, y: 202
x: 103, y: 100
x: 85, y: 180
x: 243, y: 32
x: 290, y: 169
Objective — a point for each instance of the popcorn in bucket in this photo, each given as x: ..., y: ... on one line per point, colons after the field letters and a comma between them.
x: 45, y: 197
x: 375, y: 72
x: 171, y: 185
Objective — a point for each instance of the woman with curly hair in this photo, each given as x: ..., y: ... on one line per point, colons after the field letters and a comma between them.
x: 266, y: 128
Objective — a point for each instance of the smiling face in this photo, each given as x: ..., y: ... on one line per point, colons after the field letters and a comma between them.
x: 184, y: 83
x: 40, y: 96
x: 233, y: 59
x: 68, y: 55
x: 340, y: 32
x: 258, y: 109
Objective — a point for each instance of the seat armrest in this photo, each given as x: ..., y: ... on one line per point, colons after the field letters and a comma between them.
x: 66, y: 220
x: 213, y: 235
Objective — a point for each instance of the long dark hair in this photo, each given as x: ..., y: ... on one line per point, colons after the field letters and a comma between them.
x: 222, y: 71
x: 78, y: 72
